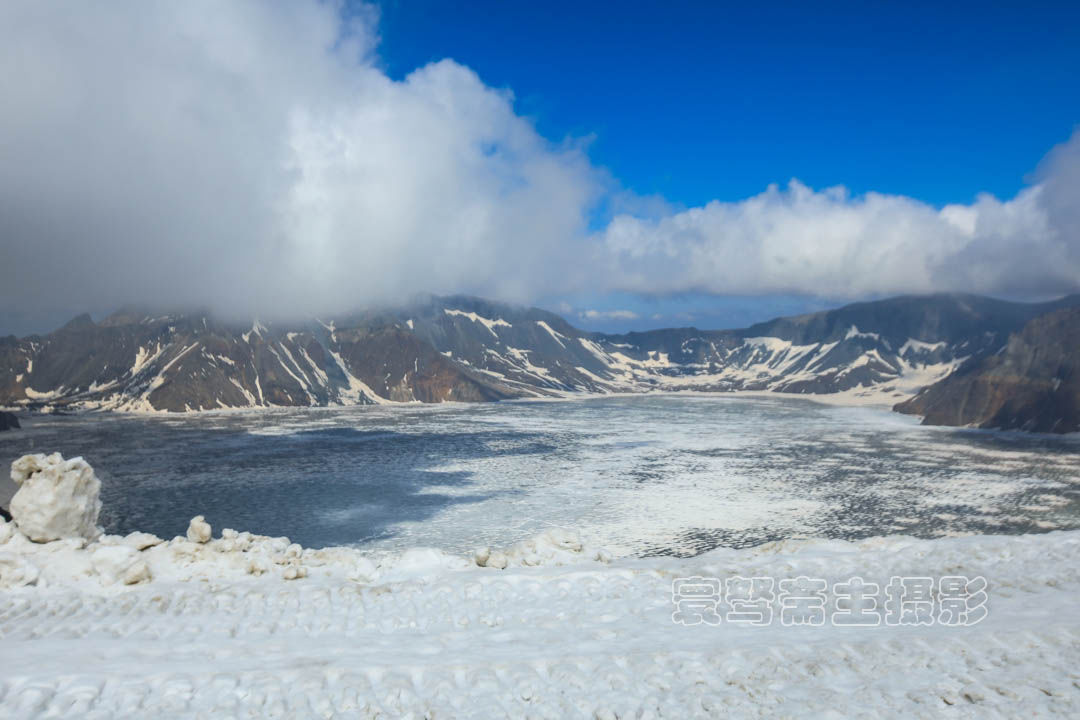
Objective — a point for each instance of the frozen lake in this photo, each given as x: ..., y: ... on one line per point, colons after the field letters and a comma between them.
x: 659, y: 474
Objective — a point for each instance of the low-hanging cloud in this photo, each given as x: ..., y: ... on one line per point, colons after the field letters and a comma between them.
x: 254, y: 157
x: 798, y: 240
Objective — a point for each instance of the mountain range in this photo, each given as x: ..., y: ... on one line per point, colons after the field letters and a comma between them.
x: 956, y: 359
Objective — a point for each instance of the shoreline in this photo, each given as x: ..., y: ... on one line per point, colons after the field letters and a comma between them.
x: 843, y: 399
x: 862, y: 399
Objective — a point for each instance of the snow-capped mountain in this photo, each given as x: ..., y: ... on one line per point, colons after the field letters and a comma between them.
x: 468, y: 349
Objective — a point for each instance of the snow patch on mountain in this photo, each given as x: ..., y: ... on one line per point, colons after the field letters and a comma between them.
x: 489, y: 324
x: 357, y: 392
x: 558, y: 337
x: 854, y: 332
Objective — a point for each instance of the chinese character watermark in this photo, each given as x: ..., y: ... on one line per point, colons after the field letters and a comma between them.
x: 750, y: 600
x: 950, y: 601
x: 802, y: 601
x: 696, y: 600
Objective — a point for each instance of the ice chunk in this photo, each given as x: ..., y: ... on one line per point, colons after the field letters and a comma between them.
x: 57, y: 498
x: 120, y: 564
x: 257, y: 566
x: 497, y: 560
x: 556, y: 546
x: 294, y: 572
x: 141, y: 540
x: 481, y: 556
x: 199, y: 530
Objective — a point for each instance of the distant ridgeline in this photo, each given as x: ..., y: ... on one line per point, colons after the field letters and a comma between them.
x: 957, y: 359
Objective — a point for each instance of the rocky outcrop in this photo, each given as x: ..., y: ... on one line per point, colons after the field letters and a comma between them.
x: 8, y: 421
x: 1032, y: 383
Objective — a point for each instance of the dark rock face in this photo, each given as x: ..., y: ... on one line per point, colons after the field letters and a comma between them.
x: 928, y: 318
x: 177, y: 363
x: 466, y: 349
x: 8, y: 421
x: 1032, y: 384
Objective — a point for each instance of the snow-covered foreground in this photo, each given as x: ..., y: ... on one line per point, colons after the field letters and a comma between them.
x: 216, y: 630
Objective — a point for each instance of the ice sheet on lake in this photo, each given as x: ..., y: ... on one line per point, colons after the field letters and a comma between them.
x: 645, y: 475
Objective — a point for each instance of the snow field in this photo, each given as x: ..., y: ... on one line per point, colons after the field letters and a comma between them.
x: 425, y: 634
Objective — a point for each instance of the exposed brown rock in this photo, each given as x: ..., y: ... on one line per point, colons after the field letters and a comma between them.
x: 1032, y: 384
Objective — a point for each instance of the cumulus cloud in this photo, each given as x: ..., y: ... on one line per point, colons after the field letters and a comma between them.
x: 253, y: 157
x: 826, y: 242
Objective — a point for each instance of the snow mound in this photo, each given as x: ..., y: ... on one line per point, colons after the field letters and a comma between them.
x: 112, y: 562
x: 417, y: 564
x: 557, y: 546
x: 56, y: 499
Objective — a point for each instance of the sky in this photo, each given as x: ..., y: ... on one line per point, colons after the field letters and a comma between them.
x: 700, y: 101
x: 706, y: 164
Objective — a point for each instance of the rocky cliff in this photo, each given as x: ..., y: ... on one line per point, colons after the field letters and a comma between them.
x: 1031, y: 383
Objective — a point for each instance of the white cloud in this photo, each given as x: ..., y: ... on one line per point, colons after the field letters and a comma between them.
x: 608, y: 315
x: 254, y: 157
x: 798, y: 240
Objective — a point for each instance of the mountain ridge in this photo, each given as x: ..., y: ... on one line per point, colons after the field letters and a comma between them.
x: 463, y: 348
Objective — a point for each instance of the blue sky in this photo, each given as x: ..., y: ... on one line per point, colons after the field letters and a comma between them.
x: 699, y: 101
x: 630, y: 165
